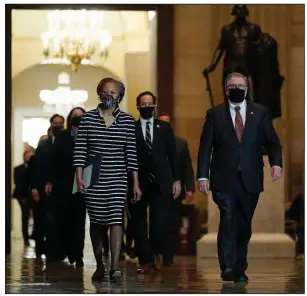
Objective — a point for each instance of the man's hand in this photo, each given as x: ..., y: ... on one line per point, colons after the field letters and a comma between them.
x: 48, y: 188
x: 176, y: 189
x: 188, y: 196
x: 35, y: 195
x: 203, y: 186
x: 276, y: 173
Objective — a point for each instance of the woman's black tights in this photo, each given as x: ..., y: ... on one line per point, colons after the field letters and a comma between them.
x: 97, y: 232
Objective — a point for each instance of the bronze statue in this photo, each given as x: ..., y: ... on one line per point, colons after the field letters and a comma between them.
x: 246, y: 50
x: 267, y: 79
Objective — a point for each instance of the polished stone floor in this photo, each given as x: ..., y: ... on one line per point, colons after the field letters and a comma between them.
x: 25, y: 274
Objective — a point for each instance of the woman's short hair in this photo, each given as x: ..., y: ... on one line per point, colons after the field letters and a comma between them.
x: 120, y: 86
x: 144, y: 93
x: 68, y: 120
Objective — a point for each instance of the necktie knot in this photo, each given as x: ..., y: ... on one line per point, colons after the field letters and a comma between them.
x: 237, y: 108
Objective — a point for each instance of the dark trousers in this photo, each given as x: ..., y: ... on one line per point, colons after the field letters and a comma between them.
x: 45, y: 224
x: 71, y: 225
x: 237, y: 208
x: 188, y: 211
x: 173, y: 230
x: 39, y: 226
x: 129, y: 235
x: 159, y: 207
x: 25, y: 213
x: 52, y: 243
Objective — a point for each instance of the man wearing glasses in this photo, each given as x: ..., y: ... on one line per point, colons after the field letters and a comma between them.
x: 234, y: 133
x: 159, y: 182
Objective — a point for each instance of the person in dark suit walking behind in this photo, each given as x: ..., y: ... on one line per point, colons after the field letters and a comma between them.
x: 22, y: 194
x: 70, y: 208
x: 44, y: 206
x: 234, y: 133
x: 159, y: 182
x: 187, y: 191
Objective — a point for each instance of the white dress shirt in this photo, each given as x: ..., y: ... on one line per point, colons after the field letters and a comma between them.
x: 143, y: 124
x: 242, y: 111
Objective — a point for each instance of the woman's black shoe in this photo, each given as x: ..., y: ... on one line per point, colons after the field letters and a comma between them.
x: 115, y: 275
x: 99, y: 273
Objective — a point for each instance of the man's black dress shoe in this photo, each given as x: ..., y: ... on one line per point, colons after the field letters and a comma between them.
x: 79, y: 262
x: 228, y: 275
x: 241, y: 279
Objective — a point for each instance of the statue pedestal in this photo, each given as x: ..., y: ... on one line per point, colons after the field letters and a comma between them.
x: 268, y: 238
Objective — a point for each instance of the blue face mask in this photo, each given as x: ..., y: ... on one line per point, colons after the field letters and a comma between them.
x: 107, y: 101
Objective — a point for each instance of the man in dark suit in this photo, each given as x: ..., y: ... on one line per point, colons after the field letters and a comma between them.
x: 159, y: 182
x: 22, y: 194
x: 43, y: 205
x: 234, y: 133
x: 187, y: 191
x: 70, y: 208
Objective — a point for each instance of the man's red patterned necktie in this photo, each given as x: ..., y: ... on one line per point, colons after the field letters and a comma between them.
x: 239, y: 126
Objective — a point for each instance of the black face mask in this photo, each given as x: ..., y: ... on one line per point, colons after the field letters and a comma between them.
x: 236, y: 95
x: 75, y: 121
x: 146, y: 112
x: 56, y: 130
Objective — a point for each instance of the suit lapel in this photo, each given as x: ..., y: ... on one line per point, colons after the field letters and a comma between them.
x: 139, y: 131
x: 154, y: 133
x: 248, y: 119
x: 230, y: 124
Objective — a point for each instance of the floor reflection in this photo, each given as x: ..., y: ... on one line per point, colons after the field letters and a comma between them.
x: 26, y: 274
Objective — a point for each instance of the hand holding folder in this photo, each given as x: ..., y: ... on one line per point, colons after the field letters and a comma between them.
x: 87, y: 177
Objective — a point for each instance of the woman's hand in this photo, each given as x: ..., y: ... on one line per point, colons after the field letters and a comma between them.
x: 137, y: 193
x: 81, y: 186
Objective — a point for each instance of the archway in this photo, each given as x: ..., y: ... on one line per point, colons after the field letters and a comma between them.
x: 30, y: 118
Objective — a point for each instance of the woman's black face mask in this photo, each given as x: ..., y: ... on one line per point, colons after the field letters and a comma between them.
x: 75, y: 121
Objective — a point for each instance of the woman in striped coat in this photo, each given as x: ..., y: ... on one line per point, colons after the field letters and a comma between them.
x: 106, y: 140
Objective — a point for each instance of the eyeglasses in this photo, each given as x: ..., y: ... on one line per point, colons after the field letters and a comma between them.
x: 109, y: 91
x: 239, y: 86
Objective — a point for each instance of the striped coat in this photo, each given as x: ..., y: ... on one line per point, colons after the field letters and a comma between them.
x: 117, y: 147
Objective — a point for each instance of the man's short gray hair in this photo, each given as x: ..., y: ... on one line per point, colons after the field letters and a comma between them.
x: 235, y: 74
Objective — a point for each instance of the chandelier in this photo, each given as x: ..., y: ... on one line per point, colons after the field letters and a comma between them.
x: 74, y: 37
x: 63, y: 98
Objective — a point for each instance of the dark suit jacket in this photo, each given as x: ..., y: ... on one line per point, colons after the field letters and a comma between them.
x: 62, y: 171
x: 20, y: 191
x: 42, y: 165
x: 164, y: 157
x: 185, y: 165
x: 219, y: 138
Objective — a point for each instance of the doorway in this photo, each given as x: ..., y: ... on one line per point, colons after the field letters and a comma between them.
x: 164, y: 74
